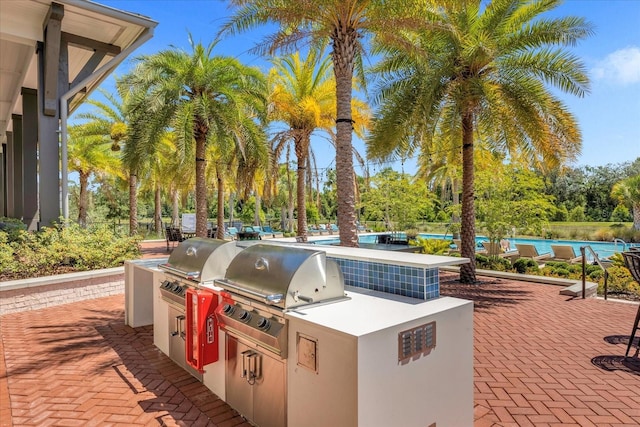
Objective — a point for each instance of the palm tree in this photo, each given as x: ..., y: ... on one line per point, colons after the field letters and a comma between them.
x: 303, y: 97
x: 204, y: 98
x: 482, y: 73
x: 89, y: 154
x: 345, y: 24
x: 111, y: 119
x: 627, y: 191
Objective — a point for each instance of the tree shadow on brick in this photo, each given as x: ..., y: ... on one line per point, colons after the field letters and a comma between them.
x: 485, y: 295
x: 622, y: 339
x: 73, y: 339
x: 144, y: 368
x: 612, y: 363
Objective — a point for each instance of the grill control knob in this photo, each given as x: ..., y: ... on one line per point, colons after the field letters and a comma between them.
x: 245, y: 316
x: 263, y: 323
x: 228, y: 309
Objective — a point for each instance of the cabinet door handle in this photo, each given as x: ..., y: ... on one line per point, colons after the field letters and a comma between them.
x: 245, y: 355
x: 177, y: 330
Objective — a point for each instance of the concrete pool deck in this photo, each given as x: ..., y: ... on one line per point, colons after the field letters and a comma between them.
x: 540, y: 359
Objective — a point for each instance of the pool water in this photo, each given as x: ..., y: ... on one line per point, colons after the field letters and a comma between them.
x: 603, y: 249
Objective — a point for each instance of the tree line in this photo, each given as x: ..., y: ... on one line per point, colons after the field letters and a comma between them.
x: 457, y: 83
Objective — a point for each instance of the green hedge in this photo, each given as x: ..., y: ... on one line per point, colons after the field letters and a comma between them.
x: 56, y: 250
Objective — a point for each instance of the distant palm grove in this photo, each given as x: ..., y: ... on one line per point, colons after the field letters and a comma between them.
x: 468, y: 88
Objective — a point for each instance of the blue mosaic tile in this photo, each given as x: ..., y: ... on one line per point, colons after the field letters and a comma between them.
x: 414, y: 282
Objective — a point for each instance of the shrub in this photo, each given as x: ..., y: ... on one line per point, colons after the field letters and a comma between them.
x: 526, y: 266
x: 492, y: 263
x: 55, y: 250
x: 621, y: 214
x: 620, y: 281
x: 603, y: 235
x: 432, y: 246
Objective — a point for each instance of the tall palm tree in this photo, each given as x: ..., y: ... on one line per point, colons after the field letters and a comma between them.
x: 627, y: 191
x: 302, y: 95
x: 345, y: 24
x: 482, y: 72
x: 89, y: 154
x: 111, y: 119
x: 204, y: 98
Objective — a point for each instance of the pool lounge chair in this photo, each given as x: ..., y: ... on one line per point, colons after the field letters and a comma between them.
x: 565, y: 253
x: 494, y: 249
x: 527, y: 250
x: 268, y: 230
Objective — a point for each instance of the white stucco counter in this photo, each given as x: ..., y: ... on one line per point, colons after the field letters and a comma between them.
x: 142, y: 276
x: 379, y: 360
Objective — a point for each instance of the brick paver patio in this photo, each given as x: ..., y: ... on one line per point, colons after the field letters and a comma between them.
x: 541, y: 359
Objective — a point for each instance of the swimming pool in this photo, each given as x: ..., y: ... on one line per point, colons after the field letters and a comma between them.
x: 603, y: 249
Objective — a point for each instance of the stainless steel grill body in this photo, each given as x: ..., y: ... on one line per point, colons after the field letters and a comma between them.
x: 284, y: 276
x: 200, y: 259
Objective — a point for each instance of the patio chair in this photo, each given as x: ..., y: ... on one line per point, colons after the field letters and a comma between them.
x: 632, y: 261
x: 565, y: 253
x: 527, y: 250
x: 173, y: 235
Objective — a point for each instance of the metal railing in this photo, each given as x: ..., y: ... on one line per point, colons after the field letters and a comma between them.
x: 615, y: 245
x: 603, y: 266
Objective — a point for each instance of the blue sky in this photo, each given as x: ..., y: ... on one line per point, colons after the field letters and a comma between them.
x: 609, y: 116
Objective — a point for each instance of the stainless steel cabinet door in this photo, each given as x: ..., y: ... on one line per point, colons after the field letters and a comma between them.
x: 239, y: 391
x: 269, y: 393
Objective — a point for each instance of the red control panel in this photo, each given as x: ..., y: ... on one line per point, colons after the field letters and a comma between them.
x: 202, y: 329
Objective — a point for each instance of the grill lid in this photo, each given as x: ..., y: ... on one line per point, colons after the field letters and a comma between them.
x: 200, y: 259
x: 284, y: 276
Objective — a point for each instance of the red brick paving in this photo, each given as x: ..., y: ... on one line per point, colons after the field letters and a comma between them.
x: 540, y: 360
x: 78, y: 364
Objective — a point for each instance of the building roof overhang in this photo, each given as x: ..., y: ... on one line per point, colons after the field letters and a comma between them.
x: 98, y: 38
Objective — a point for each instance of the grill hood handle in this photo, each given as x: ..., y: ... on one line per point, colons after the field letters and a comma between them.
x: 270, y: 299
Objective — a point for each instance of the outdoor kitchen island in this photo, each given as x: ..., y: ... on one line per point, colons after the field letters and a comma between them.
x: 311, y: 335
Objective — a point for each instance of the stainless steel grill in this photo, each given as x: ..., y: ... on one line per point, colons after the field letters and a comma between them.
x: 200, y: 259
x: 194, y: 262
x: 262, y: 283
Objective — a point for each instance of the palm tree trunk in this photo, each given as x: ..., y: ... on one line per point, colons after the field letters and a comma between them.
x: 283, y: 218
x: 455, y: 194
x: 157, y: 209
x: 302, y: 149
x: 468, y: 234
x: 256, y: 213
x: 636, y: 216
x: 201, y: 186
x: 344, y: 45
x: 220, y: 211
x: 83, y: 199
x: 133, y: 204
x: 290, y: 198
x: 175, y: 207
x: 232, y: 207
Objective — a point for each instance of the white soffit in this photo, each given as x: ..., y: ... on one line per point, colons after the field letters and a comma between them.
x: 21, y: 27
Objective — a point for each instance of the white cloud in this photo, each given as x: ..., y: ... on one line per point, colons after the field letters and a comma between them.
x: 621, y: 67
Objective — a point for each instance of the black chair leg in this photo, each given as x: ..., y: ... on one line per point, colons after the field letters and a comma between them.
x: 633, y: 333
